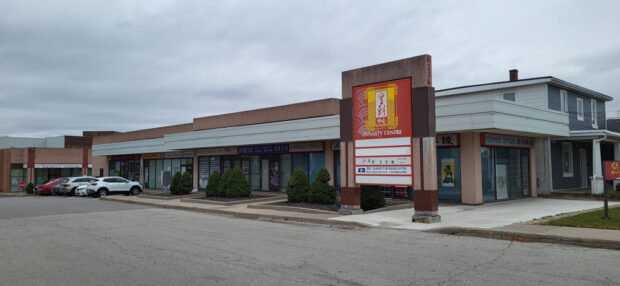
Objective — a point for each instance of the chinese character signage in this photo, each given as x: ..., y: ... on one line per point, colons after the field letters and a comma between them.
x: 612, y: 170
x: 382, y: 133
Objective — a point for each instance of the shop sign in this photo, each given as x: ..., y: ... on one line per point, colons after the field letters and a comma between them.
x: 382, y: 132
x: 306, y: 147
x: 218, y: 151
x: 151, y: 156
x: 448, y: 140
x: 263, y: 149
x: 124, y: 157
x: 383, y: 170
x: 497, y: 140
x: 335, y: 145
x: 175, y: 155
x: 612, y: 170
x: 59, y: 166
x: 383, y: 161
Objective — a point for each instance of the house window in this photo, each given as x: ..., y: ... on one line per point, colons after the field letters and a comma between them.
x: 593, y: 109
x: 509, y: 96
x: 579, y: 109
x: 563, y: 101
x: 567, y: 159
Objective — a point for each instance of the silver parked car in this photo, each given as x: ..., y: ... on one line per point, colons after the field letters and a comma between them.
x: 68, y: 187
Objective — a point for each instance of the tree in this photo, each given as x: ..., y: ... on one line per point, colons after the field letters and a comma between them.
x: 298, y: 186
x: 186, y: 185
x: 223, y: 183
x: 175, y: 183
x: 30, y: 188
x: 371, y: 198
x: 213, y: 183
x: 238, y: 185
x: 320, y: 190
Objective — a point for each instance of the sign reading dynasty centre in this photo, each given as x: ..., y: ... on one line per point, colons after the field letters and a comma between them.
x: 382, y: 133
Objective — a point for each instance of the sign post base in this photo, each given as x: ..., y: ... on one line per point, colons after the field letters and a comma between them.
x: 425, y: 217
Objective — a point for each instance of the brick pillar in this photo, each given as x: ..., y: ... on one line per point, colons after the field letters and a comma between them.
x: 84, y: 161
x: 533, y: 177
x: 30, y: 165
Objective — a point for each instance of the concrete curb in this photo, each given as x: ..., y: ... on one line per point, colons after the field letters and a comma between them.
x: 390, y: 208
x: 247, y: 215
x: 232, y: 203
x: 528, y: 237
x: 291, y: 209
x: 167, y: 198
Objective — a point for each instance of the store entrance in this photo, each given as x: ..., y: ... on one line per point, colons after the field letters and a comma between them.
x: 505, y: 173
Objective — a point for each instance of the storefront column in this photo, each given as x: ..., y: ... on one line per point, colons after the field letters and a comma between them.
x: 329, y: 161
x: 471, y: 169
x: 84, y: 161
x: 30, y: 166
x: 617, y: 158
x: 195, y: 172
x: 597, y: 172
x: 533, y: 175
x: 141, y: 171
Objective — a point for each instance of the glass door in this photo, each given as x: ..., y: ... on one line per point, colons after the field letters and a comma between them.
x: 264, y: 175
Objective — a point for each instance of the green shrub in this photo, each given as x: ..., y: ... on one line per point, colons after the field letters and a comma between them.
x: 222, y: 185
x: 371, y: 198
x: 175, y: 184
x: 618, y: 188
x: 213, y: 183
x: 185, y: 184
x: 30, y: 188
x: 238, y: 185
x: 320, y: 190
x: 298, y: 186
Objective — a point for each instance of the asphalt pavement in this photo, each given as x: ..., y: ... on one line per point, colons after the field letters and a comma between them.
x: 132, y: 245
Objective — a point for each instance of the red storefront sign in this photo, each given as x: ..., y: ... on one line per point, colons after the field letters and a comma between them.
x: 612, y: 170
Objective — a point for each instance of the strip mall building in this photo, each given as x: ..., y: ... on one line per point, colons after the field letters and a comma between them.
x: 495, y: 141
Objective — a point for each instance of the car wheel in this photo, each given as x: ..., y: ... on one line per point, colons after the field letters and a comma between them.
x: 72, y: 192
x: 135, y: 191
x: 103, y: 193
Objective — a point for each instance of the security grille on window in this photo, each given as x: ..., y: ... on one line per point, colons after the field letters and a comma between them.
x: 579, y: 109
x: 567, y: 159
x: 563, y: 101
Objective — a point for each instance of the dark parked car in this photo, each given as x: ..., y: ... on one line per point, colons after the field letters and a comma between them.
x: 57, y: 187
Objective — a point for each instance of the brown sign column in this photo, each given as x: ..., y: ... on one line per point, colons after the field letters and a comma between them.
x: 418, y: 69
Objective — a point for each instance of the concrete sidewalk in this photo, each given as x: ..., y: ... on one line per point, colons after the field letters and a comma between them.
x: 503, y: 220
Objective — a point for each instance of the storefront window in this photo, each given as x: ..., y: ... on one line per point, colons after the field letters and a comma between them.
x: 488, y: 173
x: 285, y: 170
x: 505, y: 173
x: 255, y: 172
x: 152, y: 171
x: 18, y: 175
x: 300, y: 160
x: 317, y: 161
x: 158, y: 174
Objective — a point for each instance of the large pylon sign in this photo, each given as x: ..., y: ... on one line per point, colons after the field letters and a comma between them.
x: 382, y: 133
x: 387, y: 133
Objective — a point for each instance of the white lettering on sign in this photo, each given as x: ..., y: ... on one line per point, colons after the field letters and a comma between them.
x: 507, y: 141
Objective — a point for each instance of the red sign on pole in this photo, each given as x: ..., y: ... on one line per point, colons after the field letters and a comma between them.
x: 22, y: 185
x: 612, y: 170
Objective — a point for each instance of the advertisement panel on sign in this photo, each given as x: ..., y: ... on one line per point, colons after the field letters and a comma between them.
x: 612, y: 170
x: 382, y: 133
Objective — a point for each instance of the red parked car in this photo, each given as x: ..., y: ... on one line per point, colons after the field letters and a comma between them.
x: 47, y: 188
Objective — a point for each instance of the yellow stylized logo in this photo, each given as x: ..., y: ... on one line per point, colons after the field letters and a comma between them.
x: 381, y: 108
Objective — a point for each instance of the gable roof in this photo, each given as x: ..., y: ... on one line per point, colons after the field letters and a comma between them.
x: 523, y: 82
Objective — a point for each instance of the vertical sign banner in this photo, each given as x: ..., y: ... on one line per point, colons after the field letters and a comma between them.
x: 612, y: 170
x: 382, y: 133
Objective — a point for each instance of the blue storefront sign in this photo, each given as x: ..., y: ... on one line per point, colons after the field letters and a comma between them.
x: 263, y: 149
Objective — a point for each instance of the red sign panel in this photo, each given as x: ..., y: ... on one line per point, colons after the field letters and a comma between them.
x: 382, y: 110
x: 21, y: 185
x: 612, y: 170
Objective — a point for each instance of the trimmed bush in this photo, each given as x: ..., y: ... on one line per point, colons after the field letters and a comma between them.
x: 238, y: 185
x: 222, y: 185
x: 213, y: 183
x: 298, y: 186
x: 175, y: 186
x: 30, y: 188
x: 185, y: 184
x: 371, y: 198
x: 320, y: 190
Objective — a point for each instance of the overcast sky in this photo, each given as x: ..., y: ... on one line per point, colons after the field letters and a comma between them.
x: 69, y: 66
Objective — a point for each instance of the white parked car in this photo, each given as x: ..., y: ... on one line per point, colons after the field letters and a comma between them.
x: 108, y: 185
x: 68, y: 187
x: 82, y: 190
